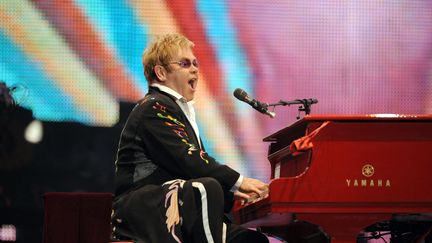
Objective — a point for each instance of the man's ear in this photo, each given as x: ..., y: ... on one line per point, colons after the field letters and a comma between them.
x: 160, y: 72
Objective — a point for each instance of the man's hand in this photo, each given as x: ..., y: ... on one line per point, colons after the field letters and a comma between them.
x: 251, y: 190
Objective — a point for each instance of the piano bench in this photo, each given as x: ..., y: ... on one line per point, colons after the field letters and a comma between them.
x: 75, y: 217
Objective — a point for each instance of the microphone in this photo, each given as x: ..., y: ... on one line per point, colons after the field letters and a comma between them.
x: 261, y: 107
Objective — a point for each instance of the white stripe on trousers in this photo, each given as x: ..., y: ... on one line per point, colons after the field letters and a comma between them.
x: 224, y: 233
x: 205, y: 219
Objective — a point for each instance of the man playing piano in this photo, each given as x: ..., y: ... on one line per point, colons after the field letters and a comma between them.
x: 168, y: 189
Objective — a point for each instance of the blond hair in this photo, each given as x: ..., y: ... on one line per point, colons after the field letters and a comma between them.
x: 161, y: 51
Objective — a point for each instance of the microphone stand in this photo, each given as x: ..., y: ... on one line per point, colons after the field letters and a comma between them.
x: 305, y: 105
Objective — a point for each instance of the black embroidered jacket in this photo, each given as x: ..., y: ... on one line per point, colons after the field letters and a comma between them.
x: 158, y: 144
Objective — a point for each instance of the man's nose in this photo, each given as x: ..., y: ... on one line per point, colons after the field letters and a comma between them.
x: 194, y: 69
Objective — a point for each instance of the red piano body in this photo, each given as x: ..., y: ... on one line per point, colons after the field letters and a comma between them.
x: 359, y: 171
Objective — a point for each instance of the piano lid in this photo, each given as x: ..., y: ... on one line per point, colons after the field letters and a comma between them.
x: 348, y: 118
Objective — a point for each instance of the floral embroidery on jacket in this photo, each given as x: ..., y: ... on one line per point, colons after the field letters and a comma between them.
x: 178, y: 129
x: 191, y: 146
x: 202, y: 154
x: 160, y: 107
x: 181, y: 132
x: 169, y: 117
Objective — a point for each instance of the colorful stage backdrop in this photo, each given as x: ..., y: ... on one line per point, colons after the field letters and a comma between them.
x: 79, y: 59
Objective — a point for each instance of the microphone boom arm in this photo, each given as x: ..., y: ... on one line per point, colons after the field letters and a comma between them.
x: 305, y: 104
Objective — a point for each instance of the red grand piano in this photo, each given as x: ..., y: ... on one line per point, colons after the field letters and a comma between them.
x: 353, y: 176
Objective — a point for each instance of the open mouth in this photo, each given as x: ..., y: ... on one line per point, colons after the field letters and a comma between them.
x: 193, y: 83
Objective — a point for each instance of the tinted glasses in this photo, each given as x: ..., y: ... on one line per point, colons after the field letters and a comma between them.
x: 186, y: 63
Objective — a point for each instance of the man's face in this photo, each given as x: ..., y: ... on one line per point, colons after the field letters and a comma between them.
x: 183, y: 76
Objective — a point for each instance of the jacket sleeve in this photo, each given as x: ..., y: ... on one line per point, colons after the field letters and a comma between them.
x: 164, y: 134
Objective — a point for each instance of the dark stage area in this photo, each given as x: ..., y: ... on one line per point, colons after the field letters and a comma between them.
x: 71, y: 157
